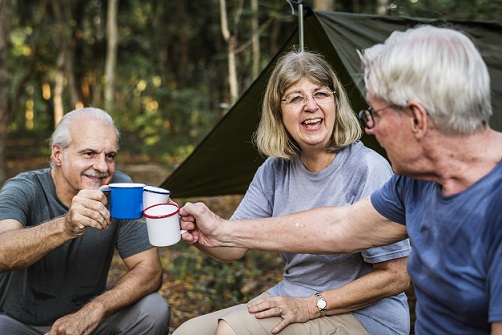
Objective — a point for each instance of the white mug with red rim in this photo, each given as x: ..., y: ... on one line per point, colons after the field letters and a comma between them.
x: 163, y: 224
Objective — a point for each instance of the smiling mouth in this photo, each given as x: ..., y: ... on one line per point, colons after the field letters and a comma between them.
x: 93, y: 177
x: 312, y: 121
x: 96, y: 177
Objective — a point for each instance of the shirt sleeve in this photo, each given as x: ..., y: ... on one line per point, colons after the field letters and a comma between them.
x: 132, y: 238
x: 258, y: 200
x: 388, y: 200
x: 388, y: 252
x: 16, y: 196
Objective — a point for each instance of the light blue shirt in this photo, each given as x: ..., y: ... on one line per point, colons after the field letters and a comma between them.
x: 282, y: 187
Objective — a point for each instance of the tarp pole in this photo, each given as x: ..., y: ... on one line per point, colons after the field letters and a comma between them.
x: 300, y: 24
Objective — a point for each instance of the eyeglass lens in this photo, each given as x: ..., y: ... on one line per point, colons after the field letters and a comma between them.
x: 297, y: 99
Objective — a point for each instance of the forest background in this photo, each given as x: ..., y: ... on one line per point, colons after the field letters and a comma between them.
x: 167, y: 71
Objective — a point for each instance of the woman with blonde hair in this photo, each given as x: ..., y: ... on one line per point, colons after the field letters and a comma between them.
x: 311, y: 135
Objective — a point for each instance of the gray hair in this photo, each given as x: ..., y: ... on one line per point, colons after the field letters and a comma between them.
x: 272, y: 138
x: 62, y: 134
x: 437, y: 67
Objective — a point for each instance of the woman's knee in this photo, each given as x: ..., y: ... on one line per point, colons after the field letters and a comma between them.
x: 206, y: 324
x: 203, y: 325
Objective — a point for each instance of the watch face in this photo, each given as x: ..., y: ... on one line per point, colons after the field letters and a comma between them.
x: 321, y: 304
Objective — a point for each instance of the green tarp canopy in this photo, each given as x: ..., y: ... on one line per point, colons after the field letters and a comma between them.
x: 225, y: 161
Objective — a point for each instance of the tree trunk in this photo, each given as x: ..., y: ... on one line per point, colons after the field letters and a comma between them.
x: 58, y: 87
x: 256, y: 39
x: 232, y: 42
x: 63, y: 38
x: 381, y: 7
x: 183, y: 43
x: 4, y: 91
x: 326, y: 5
x: 75, y: 99
x: 111, y: 53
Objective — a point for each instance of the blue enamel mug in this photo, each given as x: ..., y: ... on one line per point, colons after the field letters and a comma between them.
x: 126, y: 200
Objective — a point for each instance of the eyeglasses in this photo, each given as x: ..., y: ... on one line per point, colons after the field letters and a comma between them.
x: 299, y: 100
x: 366, y: 116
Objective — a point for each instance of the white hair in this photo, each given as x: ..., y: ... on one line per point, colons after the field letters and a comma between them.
x: 438, y: 67
x: 62, y: 134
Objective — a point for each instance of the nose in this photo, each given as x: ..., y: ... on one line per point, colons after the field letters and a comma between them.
x: 310, y: 104
x: 100, y: 163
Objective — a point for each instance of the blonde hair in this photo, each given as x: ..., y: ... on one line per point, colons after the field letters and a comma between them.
x: 271, y: 137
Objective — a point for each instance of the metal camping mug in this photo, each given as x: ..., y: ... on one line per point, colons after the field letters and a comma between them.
x: 163, y: 224
x: 126, y: 200
x: 153, y: 195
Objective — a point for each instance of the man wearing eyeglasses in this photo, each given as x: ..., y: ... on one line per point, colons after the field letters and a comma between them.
x: 429, y: 92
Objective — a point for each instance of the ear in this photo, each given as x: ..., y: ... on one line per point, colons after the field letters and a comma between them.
x: 418, y: 118
x: 56, y: 154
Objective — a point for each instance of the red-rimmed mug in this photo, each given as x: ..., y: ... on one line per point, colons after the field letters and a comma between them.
x: 163, y: 224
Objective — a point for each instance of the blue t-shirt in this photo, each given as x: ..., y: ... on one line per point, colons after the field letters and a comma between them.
x: 456, y: 260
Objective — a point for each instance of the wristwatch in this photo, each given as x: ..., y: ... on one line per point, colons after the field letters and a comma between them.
x: 321, y: 304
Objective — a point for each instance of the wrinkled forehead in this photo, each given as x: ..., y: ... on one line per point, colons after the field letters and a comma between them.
x: 93, y: 133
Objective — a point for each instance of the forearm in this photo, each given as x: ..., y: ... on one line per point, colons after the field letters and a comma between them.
x: 368, y: 289
x: 320, y: 230
x: 222, y: 254
x: 22, y: 247
x: 291, y: 233
x: 131, y: 287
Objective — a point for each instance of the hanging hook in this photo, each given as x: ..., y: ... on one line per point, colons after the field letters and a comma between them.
x: 290, y: 2
x: 292, y: 8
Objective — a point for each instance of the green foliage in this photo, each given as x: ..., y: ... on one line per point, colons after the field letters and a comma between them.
x: 171, y: 72
x: 163, y: 121
x: 170, y: 75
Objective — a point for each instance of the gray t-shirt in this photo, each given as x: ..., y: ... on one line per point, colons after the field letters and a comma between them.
x: 282, y: 187
x: 70, y: 275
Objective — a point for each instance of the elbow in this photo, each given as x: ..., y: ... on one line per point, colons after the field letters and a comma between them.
x: 158, y: 281
x: 225, y: 255
x: 401, y: 281
x: 8, y: 265
x: 4, y: 267
x: 397, y: 284
x: 396, y: 276
x: 153, y: 278
x: 225, y: 260
x: 149, y: 280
